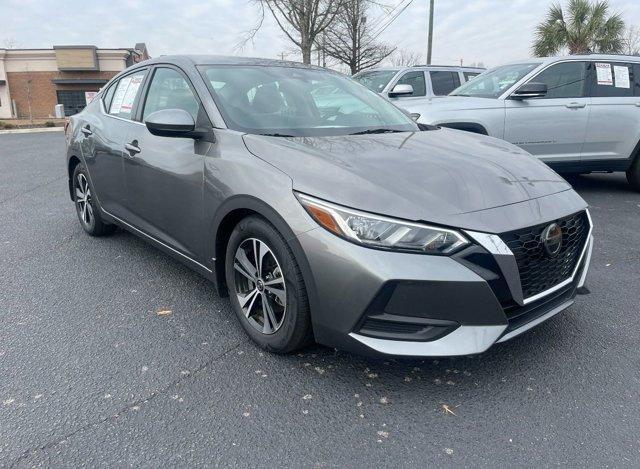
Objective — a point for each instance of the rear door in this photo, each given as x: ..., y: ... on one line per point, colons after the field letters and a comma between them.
x: 164, y: 175
x: 614, y: 122
x: 102, y: 132
x: 553, y: 128
x: 443, y: 82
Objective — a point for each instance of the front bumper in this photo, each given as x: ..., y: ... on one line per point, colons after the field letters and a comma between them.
x: 376, y: 302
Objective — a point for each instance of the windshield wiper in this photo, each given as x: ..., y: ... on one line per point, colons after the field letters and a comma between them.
x: 376, y: 131
x: 277, y: 135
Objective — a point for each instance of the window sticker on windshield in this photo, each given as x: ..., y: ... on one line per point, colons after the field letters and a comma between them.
x: 603, y: 72
x: 622, y: 76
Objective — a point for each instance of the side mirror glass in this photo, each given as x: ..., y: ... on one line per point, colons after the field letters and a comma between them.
x: 401, y: 90
x: 530, y: 90
x: 170, y: 123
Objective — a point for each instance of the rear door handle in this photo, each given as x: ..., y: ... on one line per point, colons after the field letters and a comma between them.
x: 575, y: 105
x: 86, y: 130
x: 132, y: 148
x: 638, y: 104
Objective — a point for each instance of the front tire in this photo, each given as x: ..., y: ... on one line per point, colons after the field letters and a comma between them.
x: 633, y: 174
x: 87, y: 206
x: 266, y: 287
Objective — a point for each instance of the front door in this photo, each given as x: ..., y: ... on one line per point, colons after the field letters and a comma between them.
x: 554, y: 127
x: 164, y: 175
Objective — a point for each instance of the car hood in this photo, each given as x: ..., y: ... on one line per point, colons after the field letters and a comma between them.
x: 429, y: 176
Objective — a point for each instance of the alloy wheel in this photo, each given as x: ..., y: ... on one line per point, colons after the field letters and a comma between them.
x: 83, y: 200
x: 260, y: 286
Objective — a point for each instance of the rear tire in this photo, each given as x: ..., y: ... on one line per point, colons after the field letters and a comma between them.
x: 86, y: 205
x: 266, y: 287
x: 633, y: 174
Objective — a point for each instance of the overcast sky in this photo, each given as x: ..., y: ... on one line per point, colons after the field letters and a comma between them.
x: 488, y: 31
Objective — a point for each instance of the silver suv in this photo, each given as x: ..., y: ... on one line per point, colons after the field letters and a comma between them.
x: 578, y: 114
x: 416, y: 83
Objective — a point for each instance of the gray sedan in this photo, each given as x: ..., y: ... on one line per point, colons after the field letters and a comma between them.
x: 325, y: 212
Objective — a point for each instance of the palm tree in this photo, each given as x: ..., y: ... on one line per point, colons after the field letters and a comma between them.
x: 584, y: 27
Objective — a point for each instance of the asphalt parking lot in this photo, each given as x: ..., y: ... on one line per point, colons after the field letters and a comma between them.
x: 91, y: 375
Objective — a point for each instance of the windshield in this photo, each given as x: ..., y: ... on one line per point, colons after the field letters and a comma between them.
x: 291, y: 101
x: 493, y: 83
x: 375, y: 80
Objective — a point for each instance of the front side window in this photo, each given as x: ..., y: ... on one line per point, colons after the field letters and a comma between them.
x: 563, y: 80
x: 416, y: 80
x: 375, y: 80
x: 170, y: 90
x: 444, y: 82
x: 298, y: 102
x: 493, y: 83
x: 125, y: 95
x: 613, y: 80
x: 469, y: 75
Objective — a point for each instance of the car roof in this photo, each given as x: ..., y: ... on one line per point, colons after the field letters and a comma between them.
x: 424, y: 68
x: 591, y: 57
x: 224, y: 60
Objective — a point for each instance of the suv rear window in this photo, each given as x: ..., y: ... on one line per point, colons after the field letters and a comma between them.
x: 613, y: 80
x: 443, y: 82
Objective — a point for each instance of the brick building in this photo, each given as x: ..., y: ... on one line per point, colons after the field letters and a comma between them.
x: 33, y: 81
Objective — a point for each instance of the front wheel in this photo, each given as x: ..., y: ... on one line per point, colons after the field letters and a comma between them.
x: 633, y: 174
x: 266, y: 287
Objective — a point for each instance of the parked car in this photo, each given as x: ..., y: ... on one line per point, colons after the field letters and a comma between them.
x: 348, y: 224
x: 406, y: 84
x: 578, y: 114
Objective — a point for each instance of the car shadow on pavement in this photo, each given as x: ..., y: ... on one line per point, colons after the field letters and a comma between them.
x: 599, y: 182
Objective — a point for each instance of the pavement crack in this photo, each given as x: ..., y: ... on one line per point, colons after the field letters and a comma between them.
x: 31, y: 189
x: 144, y: 400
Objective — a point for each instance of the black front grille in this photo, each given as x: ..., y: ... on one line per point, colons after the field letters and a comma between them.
x: 538, y: 271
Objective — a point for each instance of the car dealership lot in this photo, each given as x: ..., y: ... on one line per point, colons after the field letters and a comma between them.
x: 92, y: 374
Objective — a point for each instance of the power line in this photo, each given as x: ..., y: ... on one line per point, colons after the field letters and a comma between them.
x: 375, y: 35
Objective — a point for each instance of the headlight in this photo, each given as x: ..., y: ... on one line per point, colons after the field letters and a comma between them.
x: 382, y: 232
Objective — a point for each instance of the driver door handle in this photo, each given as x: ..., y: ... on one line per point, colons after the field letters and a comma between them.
x: 575, y: 105
x: 132, y: 148
x: 86, y: 130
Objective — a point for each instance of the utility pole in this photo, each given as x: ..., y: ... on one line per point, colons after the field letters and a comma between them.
x: 430, y: 44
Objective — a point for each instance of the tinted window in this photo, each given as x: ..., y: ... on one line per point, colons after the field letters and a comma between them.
x: 170, y: 90
x: 108, y: 96
x: 125, y: 95
x: 416, y: 80
x: 469, y: 75
x: 299, y: 101
x: 563, y: 80
x: 612, y: 79
x: 375, y: 80
x: 636, y: 79
x: 444, y: 83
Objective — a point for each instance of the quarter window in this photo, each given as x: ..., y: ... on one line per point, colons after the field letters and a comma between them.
x: 444, y: 82
x: 416, y: 80
x: 564, y: 80
x: 125, y: 95
x: 613, y: 80
x: 170, y: 90
x: 108, y: 96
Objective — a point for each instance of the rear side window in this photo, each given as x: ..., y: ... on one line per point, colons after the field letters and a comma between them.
x: 170, y: 90
x: 125, y: 95
x: 416, y: 80
x: 108, y: 96
x: 564, y: 80
x: 444, y: 82
x: 613, y: 80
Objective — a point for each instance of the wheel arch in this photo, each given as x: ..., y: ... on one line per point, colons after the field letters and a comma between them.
x: 71, y: 167
x: 229, y: 215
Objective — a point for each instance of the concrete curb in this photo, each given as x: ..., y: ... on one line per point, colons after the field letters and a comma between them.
x: 30, y: 131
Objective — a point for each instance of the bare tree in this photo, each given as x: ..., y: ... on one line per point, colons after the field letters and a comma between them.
x: 349, y: 39
x: 302, y: 21
x: 632, y: 41
x: 10, y: 43
x: 405, y: 58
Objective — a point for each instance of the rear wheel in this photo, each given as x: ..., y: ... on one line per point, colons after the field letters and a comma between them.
x: 633, y: 173
x: 266, y: 287
x: 86, y: 205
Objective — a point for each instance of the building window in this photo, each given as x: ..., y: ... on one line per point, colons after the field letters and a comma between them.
x: 73, y: 101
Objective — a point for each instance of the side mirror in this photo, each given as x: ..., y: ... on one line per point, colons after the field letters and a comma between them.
x: 530, y: 90
x: 401, y: 90
x: 171, y: 123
